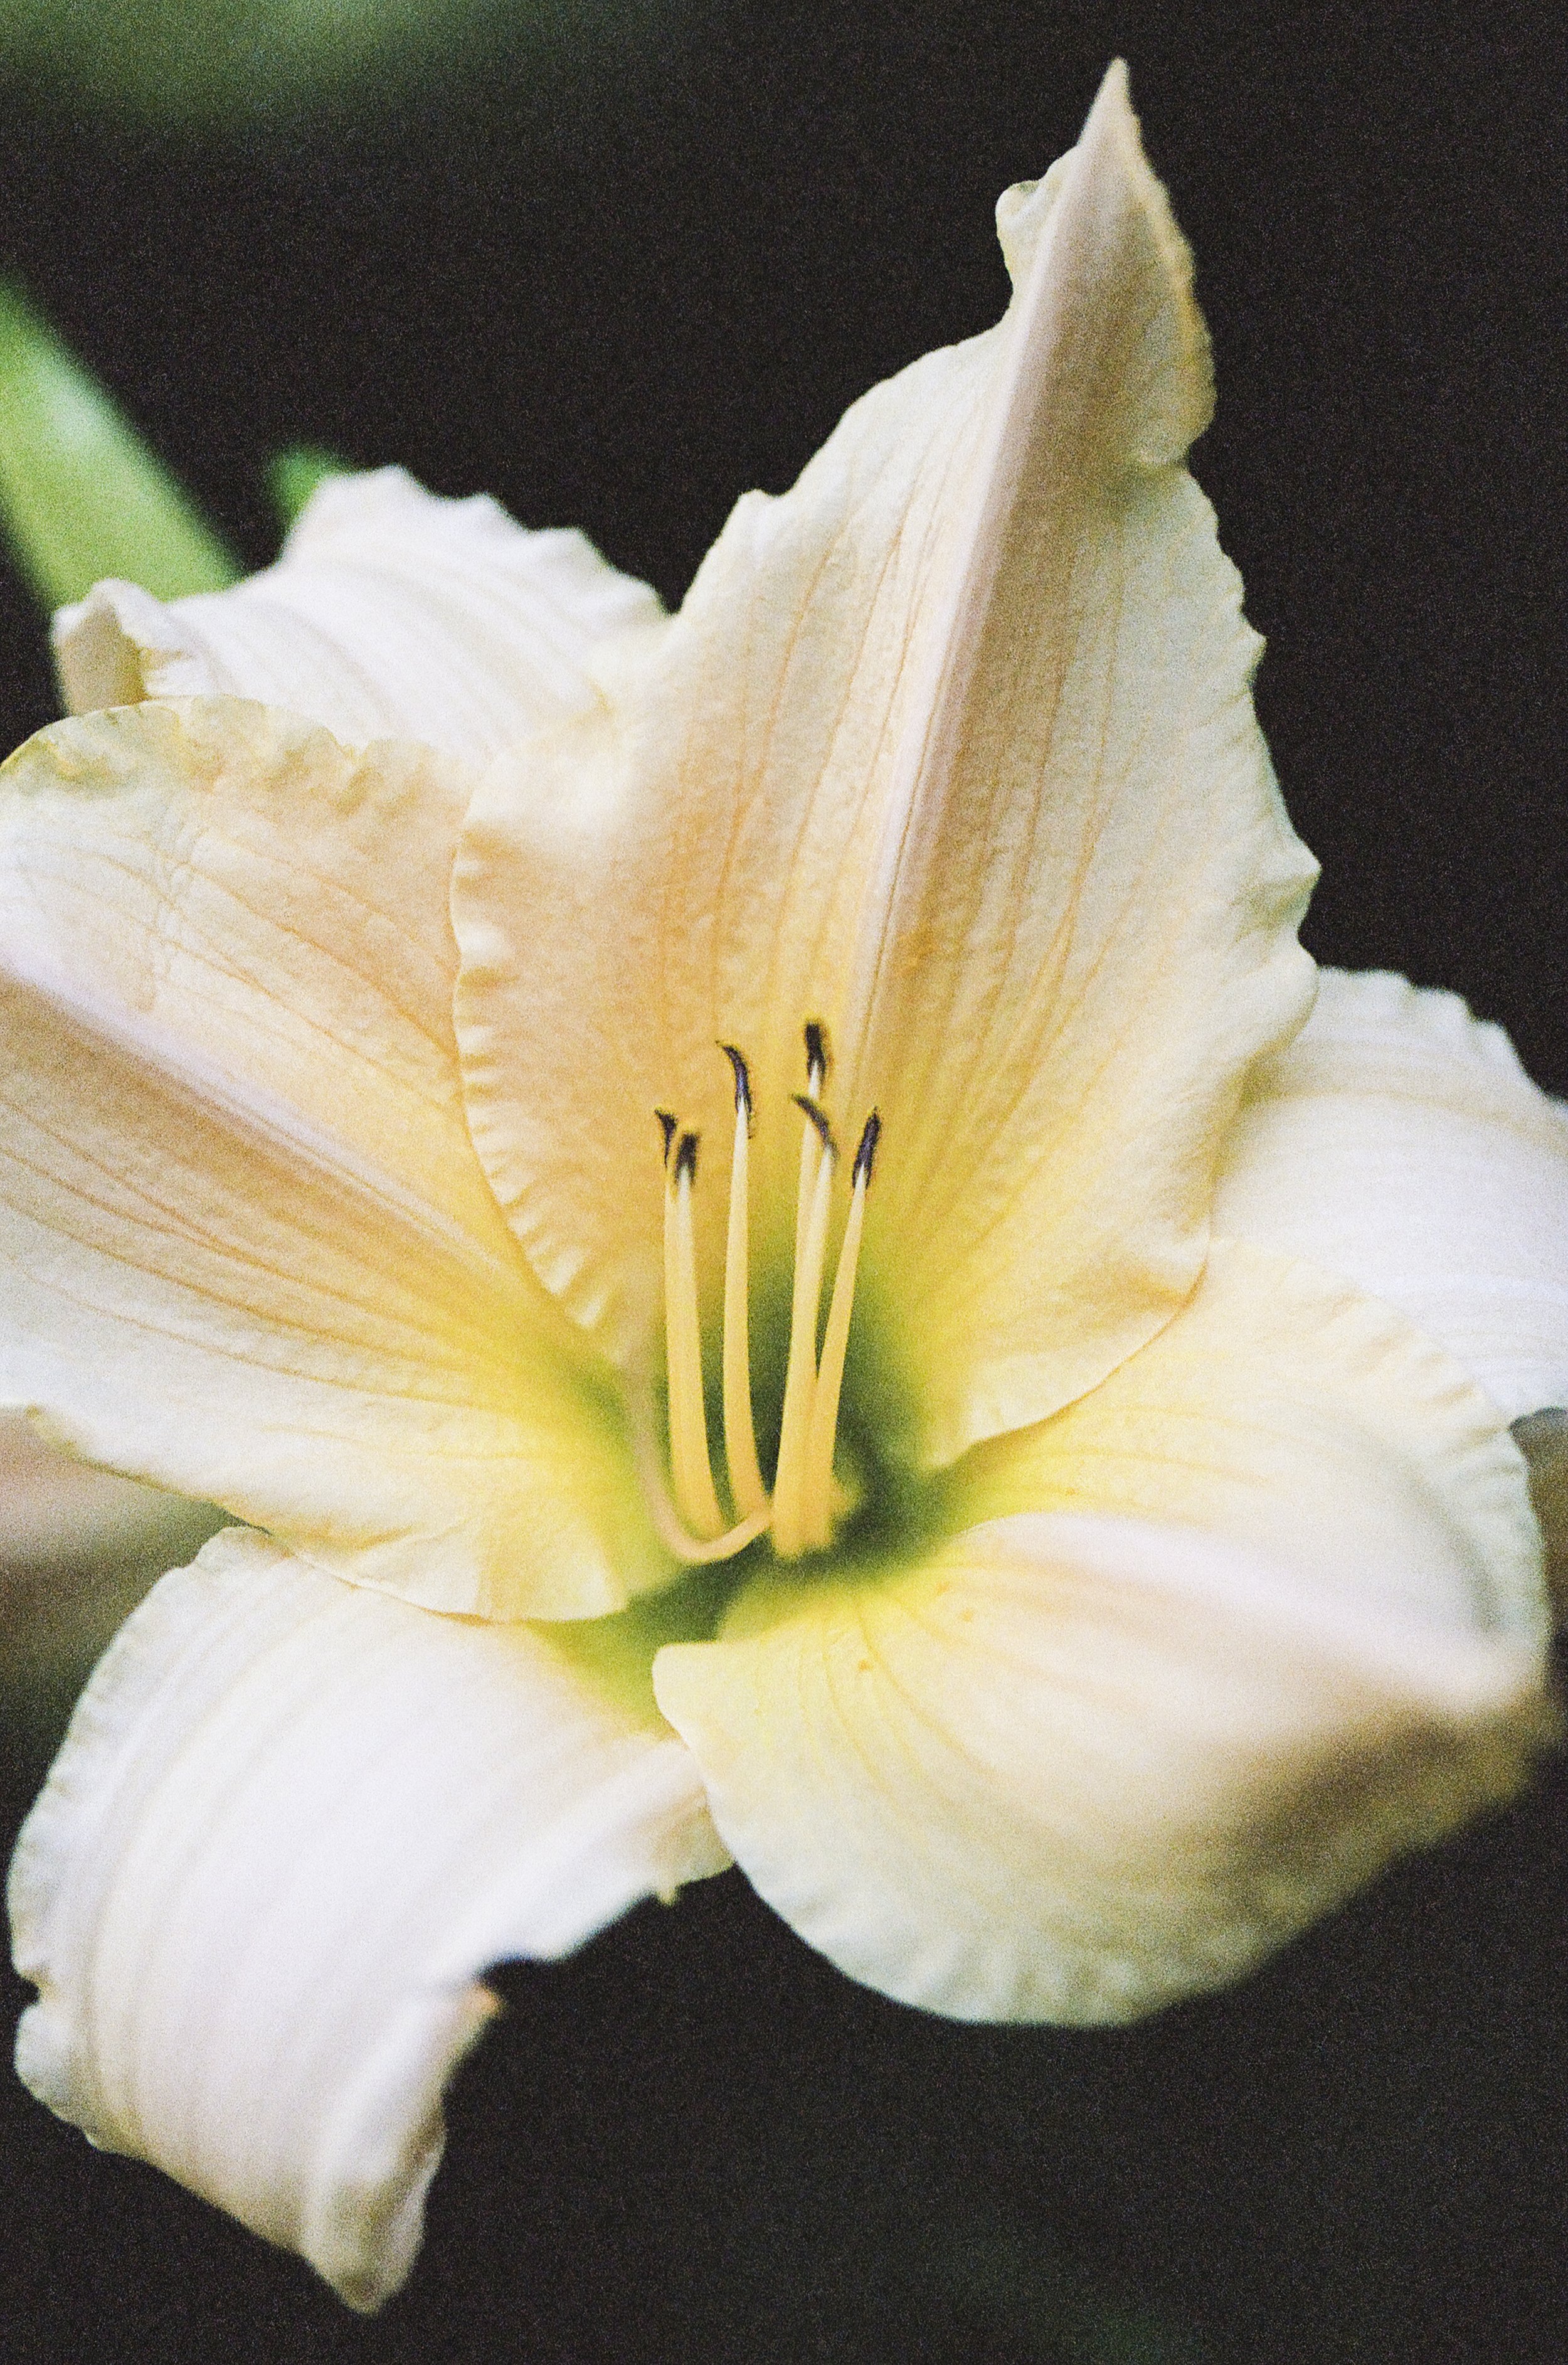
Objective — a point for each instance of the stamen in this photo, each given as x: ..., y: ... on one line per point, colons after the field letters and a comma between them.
x: 689, y: 1465
x: 817, y: 1485
x: 818, y: 1116
x: 662, y: 1511
x: 733, y: 1539
x: 740, y: 1435
x: 789, y: 1534
x: 686, y: 1510
x: 817, y: 1064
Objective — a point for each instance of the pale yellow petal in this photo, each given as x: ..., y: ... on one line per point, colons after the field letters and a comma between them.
x: 391, y: 613
x: 1288, y: 1411
x: 1072, y: 1768
x: 245, y: 1219
x: 951, y: 748
x: 1399, y: 1142
x: 292, y: 1825
x: 1264, y: 1609
x: 203, y: 1290
x: 267, y: 898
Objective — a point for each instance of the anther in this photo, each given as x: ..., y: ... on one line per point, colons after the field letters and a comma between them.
x: 817, y: 1058
x: 667, y: 1123
x: 742, y: 1079
x: 818, y: 1116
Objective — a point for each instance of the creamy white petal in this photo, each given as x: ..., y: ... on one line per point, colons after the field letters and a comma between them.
x: 203, y: 1290
x: 291, y: 1826
x: 230, y: 967
x: 951, y: 747
x: 1398, y: 1141
x: 1210, y: 1645
x: 1071, y: 1768
x: 391, y: 613
x: 269, y: 899
x: 1308, y: 1422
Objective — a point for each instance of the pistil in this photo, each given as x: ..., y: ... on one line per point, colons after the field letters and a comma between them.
x: 810, y: 1141
x: 790, y: 1536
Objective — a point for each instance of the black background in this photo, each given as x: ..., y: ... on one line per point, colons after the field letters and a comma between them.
x: 616, y: 289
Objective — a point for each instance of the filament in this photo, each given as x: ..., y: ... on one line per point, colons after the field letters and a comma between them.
x: 689, y: 1466
x: 667, y: 1519
x: 740, y: 1435
x: 687, y: 1512
x: 811, y: 1140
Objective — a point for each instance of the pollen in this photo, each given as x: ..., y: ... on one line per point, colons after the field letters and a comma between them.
x: 799, y: 1512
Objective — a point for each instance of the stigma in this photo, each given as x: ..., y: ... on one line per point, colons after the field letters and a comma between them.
x: 797, y: 1511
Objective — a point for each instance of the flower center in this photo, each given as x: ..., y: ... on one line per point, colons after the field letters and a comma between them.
x: 800, y: 1511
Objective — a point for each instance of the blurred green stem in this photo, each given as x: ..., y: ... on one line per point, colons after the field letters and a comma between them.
x: 293, y: 473
x: 80, y: 495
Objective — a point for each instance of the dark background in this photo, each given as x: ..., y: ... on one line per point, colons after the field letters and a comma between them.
x: 616, y: 287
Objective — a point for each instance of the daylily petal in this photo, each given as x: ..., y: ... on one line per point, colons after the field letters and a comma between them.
x: 952, y: 748
x: 392, y: 613
x: 1073, y: 1769
x: 291, y: 1826
x: 1398, y: 1141
x: 266, y: 898
x: 1289, y: 1412
x: 1272, y: 1614
x: 295, y: 1298
x: 202, y: 1290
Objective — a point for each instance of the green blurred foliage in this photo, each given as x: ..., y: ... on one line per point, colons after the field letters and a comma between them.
x: 80, y: 495
x: 1019, y: 2288
x: 293, y: 473
x: 988, y: 2289
x: 211, y: 64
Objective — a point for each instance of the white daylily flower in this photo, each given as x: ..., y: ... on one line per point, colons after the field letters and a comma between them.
x: 1101, y: 1592
x: 390, y: 613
